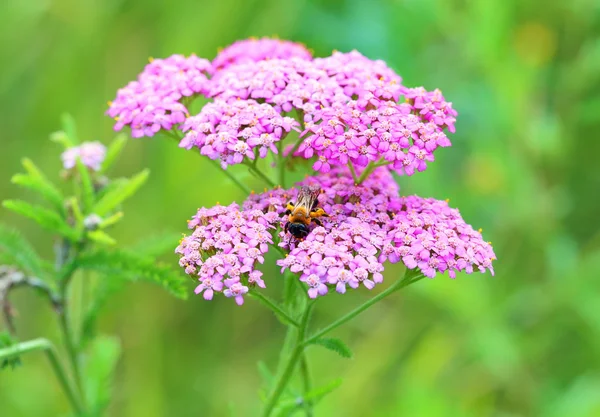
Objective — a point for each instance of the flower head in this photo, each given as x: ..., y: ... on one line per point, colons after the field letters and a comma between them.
x: 232, y: 132
x: 153, y: 101
x: 374, y: 129
x: 367, y: 225
x: 252, y: 50
x: 284, y: 83
x: 429, y: 235
x: 357, y: 74
x: 91, y: 154
x: 224, y: 249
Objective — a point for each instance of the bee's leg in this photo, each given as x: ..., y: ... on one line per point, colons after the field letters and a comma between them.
x: 289, y: 208
x: 319, y: 212
x: 286, y: 227
x: 318, y: 222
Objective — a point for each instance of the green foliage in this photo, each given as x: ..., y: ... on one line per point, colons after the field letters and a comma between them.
x: 36, y: 181
x: 335, y: 345
x: 44, y: 217
x: 69, y: 127
x: 101, y: 237
x: 116, y: 195
x: 120, y: 264
x: 290, y: 406
x: 6, y: 340
x: 87, y: 188
x: 99, y: 372
x: 19, y: 252
x: 319, y: 393
x: 61, y: 138
x: 113, y: 152
x: 111, y: 220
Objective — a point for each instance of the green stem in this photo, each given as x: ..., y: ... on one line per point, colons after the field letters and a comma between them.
x: 369, y: 169
x: 276, y: 309
x: 281, y: 163
x: 306, y: 384
x: 290, y: 365
x: 50, y: 350
x: 353, y: 172
x: 409, y: 278
x: 232, y: 177
x: 260, y: 174
x: 71, y: 349
x: 175, y: 135
x: 296, y: 146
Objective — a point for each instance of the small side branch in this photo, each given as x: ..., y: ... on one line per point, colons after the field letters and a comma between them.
x: 10, y: 279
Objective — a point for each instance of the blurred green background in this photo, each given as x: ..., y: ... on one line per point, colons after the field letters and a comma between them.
x: 525, y: 78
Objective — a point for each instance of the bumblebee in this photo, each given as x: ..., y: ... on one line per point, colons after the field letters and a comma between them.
x: 305, y: 211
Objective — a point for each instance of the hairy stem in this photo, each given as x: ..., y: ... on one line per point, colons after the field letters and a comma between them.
x: 72, y: 352
x: 50, y: 350
x: 173, y: 133
x: 275, y: 308
x: 292, y: 361
x: 409, y: 278
x: 281, y: 163
x: 353, y: 172
x: 306, y: 384
x: 260, y: 174
x: 10, y: 279
x: 232, y: 177
x: 66, y: 270
x: 369, y: 169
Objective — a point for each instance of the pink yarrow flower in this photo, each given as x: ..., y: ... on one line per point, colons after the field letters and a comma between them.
x: 232, y: 132
x: 368, y: 225
x: 91, y: 154
x: 252, y: 50
x: 154, y: 101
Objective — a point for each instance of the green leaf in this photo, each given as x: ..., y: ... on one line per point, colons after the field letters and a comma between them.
x: 36, y: 181
x: 113, y: 152
x: 46, y: 218
x: 335, y: 345
x: 101, y: 237
x: 20, y: 252
x: 87, y: 188
x: 111, y: 199
x: 119, y: 264
x: 288, y: 407
x: 77, y: 214
x: 6, y: 340
x: 99, y: 372
x: 319, y: 393
x: 61, y: 138
x: 68, y: 124
x: 109, y: 221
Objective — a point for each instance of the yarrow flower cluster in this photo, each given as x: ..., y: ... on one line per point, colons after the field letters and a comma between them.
x: 233, y: 131
x: 153, y: 102
x: 226, y: 244
x: 353, y: 119
x: 351, y: 109
x: 91, y: 154
x: 286, y: 84
x: 371, y: 130
x: 368, y: 225
x: 253, y: 50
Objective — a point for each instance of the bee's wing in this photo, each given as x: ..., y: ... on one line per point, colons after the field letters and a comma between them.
x: 307, y: 197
